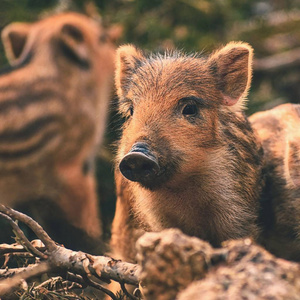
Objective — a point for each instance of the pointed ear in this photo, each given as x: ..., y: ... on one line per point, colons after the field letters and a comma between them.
x: 73, y: 44
x: 128, y: 58
x: 14, y: 38
x: 232, y: 68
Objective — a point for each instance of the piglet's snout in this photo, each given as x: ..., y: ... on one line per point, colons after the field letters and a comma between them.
x: 140, y: 164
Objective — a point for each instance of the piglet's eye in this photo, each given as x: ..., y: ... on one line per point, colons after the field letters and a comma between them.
x: 131, y: 110
x: 189, y: 110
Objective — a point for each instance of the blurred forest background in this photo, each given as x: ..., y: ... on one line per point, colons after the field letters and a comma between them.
x: 271, y: 27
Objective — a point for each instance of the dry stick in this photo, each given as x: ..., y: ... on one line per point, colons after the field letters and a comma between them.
x: 7, y: 284
x: 16, y: 249
x: 8, y: 256
x: 60, y: 258
x: 132, y: 297
x: 68, y: 286
x: 100, y: 266
x: 74, y: 278
x: 22, y: 238
x: 37, y: 229
x: 4, y: 273
x: 99, y: 287
x: 53, y: 280
x: 79, y: 262
x: 21, y: 254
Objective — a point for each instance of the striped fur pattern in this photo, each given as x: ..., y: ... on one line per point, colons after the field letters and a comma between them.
x: 210, y: 159
x: 53, y: 102
x: 279, y: 132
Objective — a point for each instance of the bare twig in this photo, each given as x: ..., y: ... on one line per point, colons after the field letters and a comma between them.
x: 51, y: 282
x: 32, y: 271
x: 126, y: 292
x: 17, y: 248
x: 63, y: 261
x: 102, y: 267
x: 22, y: 238
x: 5, y: 273
x: 100, y: 287
x: 37, y: 229
x: 74, y: 278
x: 11, y: 248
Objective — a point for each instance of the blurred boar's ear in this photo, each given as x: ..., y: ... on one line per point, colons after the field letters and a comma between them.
x: 72, y: 42
x: 232, y: 68
x: 128, y: 59
x: 14, y: 38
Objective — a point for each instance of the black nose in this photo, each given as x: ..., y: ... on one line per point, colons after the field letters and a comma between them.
x: 140, y: 164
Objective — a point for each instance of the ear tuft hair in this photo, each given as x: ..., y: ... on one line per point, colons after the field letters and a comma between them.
x: 127, y: 59
x: 232, y: 67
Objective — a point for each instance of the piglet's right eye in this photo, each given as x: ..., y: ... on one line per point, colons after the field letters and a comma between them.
x: 131, y: 110
x: 189, y: 110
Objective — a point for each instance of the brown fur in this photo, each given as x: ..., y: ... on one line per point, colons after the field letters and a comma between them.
x: 53, y: 103
x: 211, y: 162
x: 279, y: 132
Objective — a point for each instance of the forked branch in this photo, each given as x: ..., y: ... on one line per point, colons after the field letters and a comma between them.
x: 57, y: 259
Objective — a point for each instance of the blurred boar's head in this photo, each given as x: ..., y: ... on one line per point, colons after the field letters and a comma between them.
x: 188, y: 152
x: 53, y: 100
x: 69, y: 46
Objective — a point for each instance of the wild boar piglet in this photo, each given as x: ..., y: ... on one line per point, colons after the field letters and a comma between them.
x: 189, y: 158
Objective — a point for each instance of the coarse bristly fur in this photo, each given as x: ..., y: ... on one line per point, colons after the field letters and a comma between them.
x: 53, y: 106
x: 211, y: 162
x: 279, y: 132
x: 213, y: 174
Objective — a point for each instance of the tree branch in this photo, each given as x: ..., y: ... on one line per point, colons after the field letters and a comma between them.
x: 22, y: 274
x: 37, y: 229
x: 62, y: 260
x: 17, y: 248
x: 22, y: 238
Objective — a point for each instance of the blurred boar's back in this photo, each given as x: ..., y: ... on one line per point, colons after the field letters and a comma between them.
x: 279, y: 132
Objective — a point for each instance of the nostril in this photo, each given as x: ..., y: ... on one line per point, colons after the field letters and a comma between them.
x: 148, y: 168
x: 126, y: 169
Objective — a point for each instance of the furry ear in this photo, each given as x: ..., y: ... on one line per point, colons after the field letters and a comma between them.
x: 232, y: 68
x: 128, y: 58
x: 72, y: 41
x: 14, y: 38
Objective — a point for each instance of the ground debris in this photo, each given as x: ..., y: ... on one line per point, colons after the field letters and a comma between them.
x: 175, y: 266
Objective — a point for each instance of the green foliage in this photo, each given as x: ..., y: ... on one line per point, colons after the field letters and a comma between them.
x: 191, y: 25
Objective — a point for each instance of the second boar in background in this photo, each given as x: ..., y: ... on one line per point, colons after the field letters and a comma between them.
x: 53, y: 107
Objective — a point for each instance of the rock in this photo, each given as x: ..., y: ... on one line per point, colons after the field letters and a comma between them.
x: 175, y: 266
x: 170, y: 261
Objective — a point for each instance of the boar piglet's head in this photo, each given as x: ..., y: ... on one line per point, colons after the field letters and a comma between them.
x: 176, y: 107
